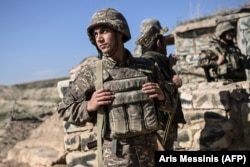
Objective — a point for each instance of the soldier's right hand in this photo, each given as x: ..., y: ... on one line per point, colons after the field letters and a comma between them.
x: 99, y: 98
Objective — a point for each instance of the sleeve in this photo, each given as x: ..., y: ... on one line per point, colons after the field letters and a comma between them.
x: 73, y: 107
x: 167, y: 104
x: 216, y: 50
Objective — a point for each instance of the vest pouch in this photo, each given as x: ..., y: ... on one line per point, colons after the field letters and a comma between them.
x: 135, y: 119
x: 222, y: 69
x: 118, y: 121
x: 235, y: 62
x: 126, y: 112
x: 150, y: 116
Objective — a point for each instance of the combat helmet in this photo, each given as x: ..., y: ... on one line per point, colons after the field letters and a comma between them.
x: 111, y: 18
x: 223, y: 27
x: 150, y: 29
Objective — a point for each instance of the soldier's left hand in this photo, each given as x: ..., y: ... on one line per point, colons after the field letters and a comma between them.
x: 153, y: 90
x: 177, y: 81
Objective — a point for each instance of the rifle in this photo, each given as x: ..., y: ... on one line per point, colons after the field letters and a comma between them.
x: 171, y: 113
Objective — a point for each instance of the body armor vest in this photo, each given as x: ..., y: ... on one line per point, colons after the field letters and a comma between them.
x: 232, y: 61
x: 231, y: 68
x: 132, y: 112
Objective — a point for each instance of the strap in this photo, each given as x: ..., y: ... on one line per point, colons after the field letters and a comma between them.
x: 170, y: 119
x: 166, y: 132
x: 99, y: 115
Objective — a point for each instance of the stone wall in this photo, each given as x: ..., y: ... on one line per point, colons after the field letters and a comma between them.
x: 189, y: 45
x: 217, y: 115
x: 193, y: 36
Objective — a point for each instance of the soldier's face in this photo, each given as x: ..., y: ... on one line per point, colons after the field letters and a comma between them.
x: 162, y: 47
x: 229, y: 35
x: 105, y: 39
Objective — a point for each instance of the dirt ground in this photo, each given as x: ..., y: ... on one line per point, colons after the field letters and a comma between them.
x: 13, y: 132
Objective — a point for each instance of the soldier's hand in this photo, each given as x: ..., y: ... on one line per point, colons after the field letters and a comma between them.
x: 99, y: 98
x: 177, y: 81
x: 173, y: 58
x: 153, y: 90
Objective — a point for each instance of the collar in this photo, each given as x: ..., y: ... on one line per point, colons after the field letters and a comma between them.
x: 111, y: 63
x: 155, y: 53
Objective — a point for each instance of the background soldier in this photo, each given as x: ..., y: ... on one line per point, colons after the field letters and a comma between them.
x: 153, y: 46
x: 223, y: 60
x: 125, y: 103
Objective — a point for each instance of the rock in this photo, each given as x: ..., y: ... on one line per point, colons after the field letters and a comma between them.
x: 44, y: 147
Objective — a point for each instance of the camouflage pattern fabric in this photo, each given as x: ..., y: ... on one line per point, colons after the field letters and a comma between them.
x: 131, y: 152
x: 140, y: 116
x: 73, y: 109
x: 112, y: 18
x: 231, y: 69
x: 163, y: 63
x: 207, y: 58
x: 79, y: 140
x: 150, y: 29
x: 147, y: 24
x: 223, y: 27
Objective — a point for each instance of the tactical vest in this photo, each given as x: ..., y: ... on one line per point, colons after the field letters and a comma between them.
x: 231, y: 63
x: 231, y: 68
x: 132, y: 112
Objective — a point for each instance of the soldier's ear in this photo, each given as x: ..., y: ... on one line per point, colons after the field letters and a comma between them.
x: 159, y: 42
x: 120, y: 35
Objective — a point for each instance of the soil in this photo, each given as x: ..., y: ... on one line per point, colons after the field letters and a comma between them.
x: 13, y: 132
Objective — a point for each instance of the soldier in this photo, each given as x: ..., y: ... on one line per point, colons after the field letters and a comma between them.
x: 223, y: 60
x: 120, y: 94
x: 153, y: 46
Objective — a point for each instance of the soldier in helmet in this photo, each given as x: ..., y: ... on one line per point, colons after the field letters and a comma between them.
x: 120, y: 94
x: 153, y: 46
x: 223, y: 60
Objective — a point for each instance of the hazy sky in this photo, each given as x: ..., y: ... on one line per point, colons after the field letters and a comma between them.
x: 43, y: 39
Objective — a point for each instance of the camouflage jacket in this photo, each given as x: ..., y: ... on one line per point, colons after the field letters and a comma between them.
x: 233, y: 65
x: 73, y: 108
x: 163, y: 63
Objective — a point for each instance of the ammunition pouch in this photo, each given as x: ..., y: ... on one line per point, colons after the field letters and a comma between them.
x: 232, y: 64
x: 132, y: 112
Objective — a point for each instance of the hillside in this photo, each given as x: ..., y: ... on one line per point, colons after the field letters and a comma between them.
x: 28, y: 99
x: 23, y: 108
x: 31, y: 133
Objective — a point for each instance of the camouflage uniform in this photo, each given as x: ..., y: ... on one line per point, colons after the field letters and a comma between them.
x: 126, y: 142
x: 150, y: 30
x: 232, y: 68
x: 79, y: 139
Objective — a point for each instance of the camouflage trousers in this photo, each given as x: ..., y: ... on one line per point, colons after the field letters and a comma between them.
x: 131, y: 152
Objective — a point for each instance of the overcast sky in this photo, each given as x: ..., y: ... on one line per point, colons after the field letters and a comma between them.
x: 44, y: 39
